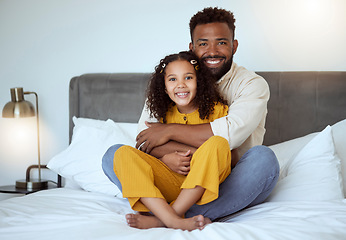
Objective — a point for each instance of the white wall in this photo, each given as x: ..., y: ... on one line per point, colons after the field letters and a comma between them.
x: 44, y: 43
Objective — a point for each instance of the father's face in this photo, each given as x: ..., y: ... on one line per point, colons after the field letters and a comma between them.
x: 213, y: 44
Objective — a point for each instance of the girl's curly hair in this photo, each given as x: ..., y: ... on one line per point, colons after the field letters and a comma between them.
x: 207, y: 95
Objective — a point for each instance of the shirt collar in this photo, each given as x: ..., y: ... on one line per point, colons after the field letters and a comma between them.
x: 228, y: 75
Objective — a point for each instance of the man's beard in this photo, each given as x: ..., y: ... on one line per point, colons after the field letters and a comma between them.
x: 219, y: 72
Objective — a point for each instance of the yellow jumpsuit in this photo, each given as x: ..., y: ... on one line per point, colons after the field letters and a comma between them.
x: 142, y: 175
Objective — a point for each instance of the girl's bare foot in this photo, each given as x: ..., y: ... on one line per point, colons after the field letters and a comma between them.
x: 149, y: 221
x: 196, y: 222
x: 143, y: 221
x: 207, y: 221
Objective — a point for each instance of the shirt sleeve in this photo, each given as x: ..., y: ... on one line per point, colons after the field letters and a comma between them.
x: 245, y: 113
x: 145, y: 116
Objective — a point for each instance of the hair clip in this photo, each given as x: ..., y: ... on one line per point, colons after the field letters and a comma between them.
x: 163, y: 67
x: 193, y: 62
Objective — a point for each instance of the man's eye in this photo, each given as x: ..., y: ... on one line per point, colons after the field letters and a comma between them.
x: 202, y: 44
x: 222, y: 43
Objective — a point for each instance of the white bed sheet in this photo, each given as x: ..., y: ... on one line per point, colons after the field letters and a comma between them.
x: 77, y: 214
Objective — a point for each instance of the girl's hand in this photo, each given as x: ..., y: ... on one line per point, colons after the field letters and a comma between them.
x: 155, y: 135
x: 178, y: 162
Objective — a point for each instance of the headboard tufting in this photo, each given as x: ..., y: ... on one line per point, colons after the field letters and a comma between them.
x: 300, y: 102
x: 303, y: 102
x: 118, y: 96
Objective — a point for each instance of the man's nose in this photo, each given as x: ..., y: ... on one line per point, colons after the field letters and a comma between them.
x: 212, y: 50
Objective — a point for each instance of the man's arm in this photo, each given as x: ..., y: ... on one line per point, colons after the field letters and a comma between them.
x: 175, y: 146
x: 158, y: 134
x: 248, y: 97
x: 194, y: 136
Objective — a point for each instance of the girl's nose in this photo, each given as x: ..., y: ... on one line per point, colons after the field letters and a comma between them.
x: 181, y: 84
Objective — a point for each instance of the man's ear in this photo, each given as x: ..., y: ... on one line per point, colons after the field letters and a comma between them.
x: 191, y: 46
x: 235, y: 45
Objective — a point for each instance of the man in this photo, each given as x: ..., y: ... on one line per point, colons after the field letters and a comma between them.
x: 254, y: 176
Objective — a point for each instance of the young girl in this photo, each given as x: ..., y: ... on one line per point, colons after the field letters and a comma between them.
x: 180, y: 91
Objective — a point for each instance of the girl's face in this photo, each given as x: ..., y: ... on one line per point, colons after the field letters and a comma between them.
x: 181, y: 85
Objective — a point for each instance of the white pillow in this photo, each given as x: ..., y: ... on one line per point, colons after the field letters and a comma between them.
x: 311, y: 175
x: 82, y: 160
x: 339, y: 136
x: 288, y: 149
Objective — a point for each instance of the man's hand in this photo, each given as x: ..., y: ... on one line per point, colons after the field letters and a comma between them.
x: 178, y: 162
x: 155, y: 135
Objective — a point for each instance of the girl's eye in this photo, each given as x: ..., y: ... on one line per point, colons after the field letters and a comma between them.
x: 171, y: 79
x: 188, y: 78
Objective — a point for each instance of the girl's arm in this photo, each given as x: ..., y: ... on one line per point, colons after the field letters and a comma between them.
x: 170, y: 147
x: 178, y: 162
x: 176, y: 156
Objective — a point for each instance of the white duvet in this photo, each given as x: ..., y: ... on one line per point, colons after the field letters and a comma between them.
x: 308, y: 201
x: 77, y: 214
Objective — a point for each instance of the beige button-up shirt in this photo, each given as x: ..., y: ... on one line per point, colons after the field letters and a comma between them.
x: 247, y: 94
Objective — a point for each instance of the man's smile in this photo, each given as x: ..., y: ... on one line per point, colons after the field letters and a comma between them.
x: 214, y: 62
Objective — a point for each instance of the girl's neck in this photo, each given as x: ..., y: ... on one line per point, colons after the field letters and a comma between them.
x: 186, y: 109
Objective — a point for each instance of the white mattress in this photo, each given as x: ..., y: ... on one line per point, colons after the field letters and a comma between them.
x: 77, y: 214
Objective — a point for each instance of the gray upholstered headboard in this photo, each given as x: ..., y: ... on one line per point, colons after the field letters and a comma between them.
x: 300, y: 103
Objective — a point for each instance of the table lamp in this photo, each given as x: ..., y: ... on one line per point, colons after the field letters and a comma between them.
x: 19, y: 108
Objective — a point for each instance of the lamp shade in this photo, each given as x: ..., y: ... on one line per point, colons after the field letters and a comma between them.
x: 18, y: 107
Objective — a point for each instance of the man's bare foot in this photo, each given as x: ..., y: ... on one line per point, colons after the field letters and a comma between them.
x: 143, y: 221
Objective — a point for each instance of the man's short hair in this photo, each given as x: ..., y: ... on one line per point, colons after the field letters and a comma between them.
x: 212, y: 15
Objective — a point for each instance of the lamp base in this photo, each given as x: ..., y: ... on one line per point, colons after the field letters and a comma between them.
x: 33, y: 184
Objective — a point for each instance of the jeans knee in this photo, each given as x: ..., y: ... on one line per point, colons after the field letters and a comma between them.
x: 269, y: 156
x: 114, y: 148
x: 264, y: 158
x: 107, y: 159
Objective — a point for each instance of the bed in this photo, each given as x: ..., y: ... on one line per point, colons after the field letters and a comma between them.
x: 306, y: 128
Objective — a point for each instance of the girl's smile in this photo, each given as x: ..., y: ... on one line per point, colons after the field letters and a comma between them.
x: 181, y: 85
x: 182, y: 94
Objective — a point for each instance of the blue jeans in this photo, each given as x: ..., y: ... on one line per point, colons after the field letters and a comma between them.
x: 250, y: 182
